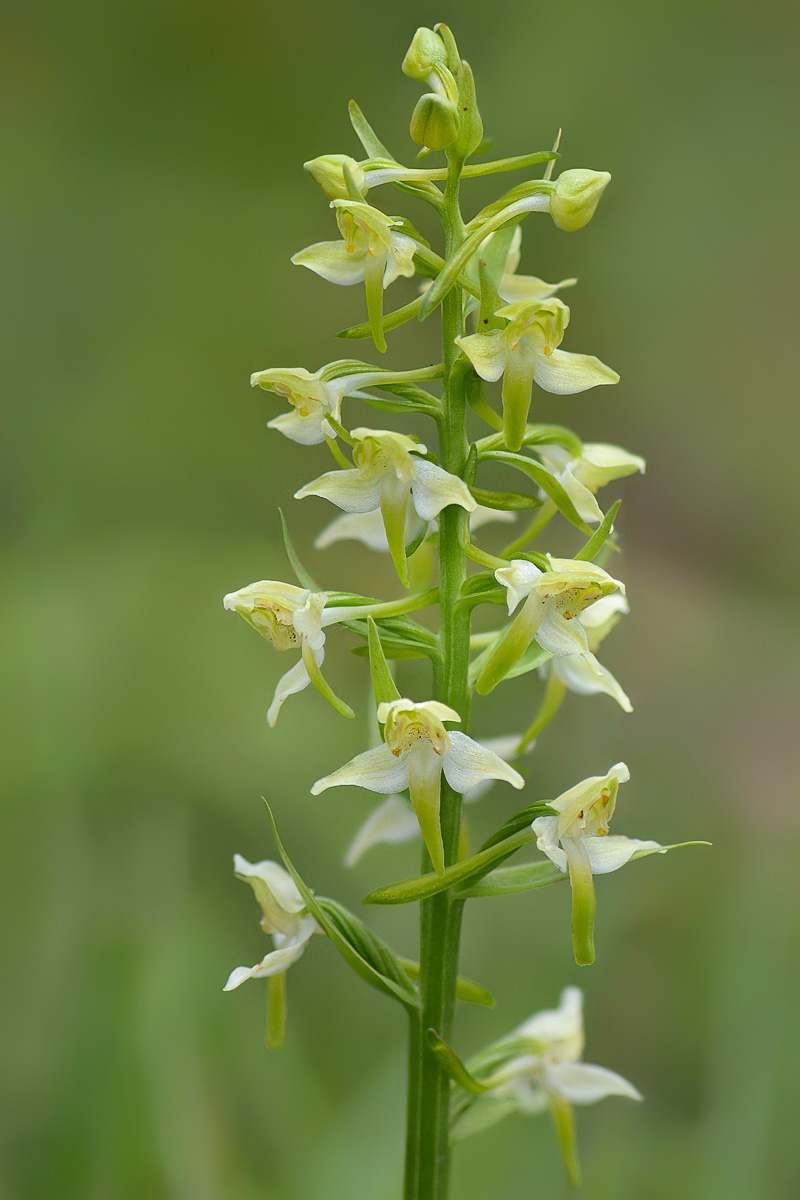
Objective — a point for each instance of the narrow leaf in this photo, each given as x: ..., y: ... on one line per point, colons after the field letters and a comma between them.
x: 466, y: 989
x: 367, y: 135
x: 507, y: 501
x: 303, y: 577
x: 520, y: 820
x: 321, y: 684
x: 507, y: 881
x: 547, y: 482
x: 383, y: 685
x: 515, y: 163
x: 429, y: 885
x: 600, y: 536
x: 392, y: 320
x: 453, y: 1066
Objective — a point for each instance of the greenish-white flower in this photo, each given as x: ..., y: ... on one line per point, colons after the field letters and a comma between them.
x: 388, y: 473
x: 582, y: 673
x: 416, y: 752
x: 577, y: 840
x: 368, y: 528
x: 526, y: 350
x: 284, y: 916
x: 581, y: 476
x: 552, y: 602
x: 536, y: 1067
x: 314, y: 398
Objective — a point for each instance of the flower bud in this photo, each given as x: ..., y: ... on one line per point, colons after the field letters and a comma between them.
x: 434, y: 122
x: 426, y: 53
x: 328, y: 172
x: 576, y: 197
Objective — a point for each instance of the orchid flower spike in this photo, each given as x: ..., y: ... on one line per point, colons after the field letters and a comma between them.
x: 394, y: 821
x: 582, y: 673
x: 388, y: 471
x: 314, y: 397
x: 290, y: 618
x: 536, y: 1067
x: 417, y: 750
x: 370, y: 252
x: 284, y: 916
x: 368, y: 528
x: 577, y: 840
x: 582, y: 475
x: 553, y: 600
x: 526, y: 350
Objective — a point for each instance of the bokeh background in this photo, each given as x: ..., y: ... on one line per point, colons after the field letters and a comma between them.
x: 154, y: 194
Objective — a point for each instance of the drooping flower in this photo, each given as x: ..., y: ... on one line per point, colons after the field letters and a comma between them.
x: 370, y: 252
x: 389, y: 471
x: 577, y: 840
x: 394, y: 821
x: 284, y: 916
x: 581, y: 476
x: 314, y: 396
x: 553, y: 601
x: 538, y: 1066
x: 290, y: 618
x: 526, y: 350
x: 368, y: 528
x: 416, y: 751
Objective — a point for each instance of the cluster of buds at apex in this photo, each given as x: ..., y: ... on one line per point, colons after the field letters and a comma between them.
x: 526, y: 350
x: 447, y: 115
x: 417, y: 751
x: 388, y: 473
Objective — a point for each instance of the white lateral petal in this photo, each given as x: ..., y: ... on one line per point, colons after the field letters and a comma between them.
x: 563, y: 373
x: 348, y: 490
x: 585, y: 675
x: 433, y: 488
x: 519, y: 579
x: 557, y: 1025
x: 377, y: 770
x: 581, y: 496
x: 584, y: 1083
x: 467, y: 763
x: 560, y: 636
x: 367, y: 528
x: 392, y: 822
x: 278, y: 881
x: 400, y: 259
x: 609, y: 853
x: 295, y: 680
x: 308, y: 431
x: 333, y: 261
x: 486, y: 352
x: 272, y: 964
x: 546, y: 830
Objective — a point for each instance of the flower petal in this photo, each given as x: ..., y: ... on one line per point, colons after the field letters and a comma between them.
x: 433, y: 489
x: 585, y: 675
x: 580, y: 495
x: 272, y: 964
x: 358, y: 527
x: 307, y: 431
x: 558, y: 1025
x: 563, y: 373
x: 486, y: 352
x: 295, y: 680
x: 377, y: 770
x: 518, y: 578
x: 278, y: 883
x: 609, y: 853
x: 560, y: 636
x: 333, y: 261
x: 584, y: 1083
x: 400, y: 259
x: 546, y: 830
x: 467, y: 763
x: 348, y: 490
x: 391, y: 822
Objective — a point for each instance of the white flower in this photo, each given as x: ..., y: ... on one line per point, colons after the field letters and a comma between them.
x: 388, y: 472
x: 581, y: 476
x: 394, y: 821
x: 313, y: 397
x: 536, y: 1067
x: 417, y: 750
x: 526, y: 349
x: 553, y: 600
x: 368, y: 528
x: 283, y: 915
x: 577, y: 840
x: 290, y: 618
x: 370, y: 252
x: 582, y: 673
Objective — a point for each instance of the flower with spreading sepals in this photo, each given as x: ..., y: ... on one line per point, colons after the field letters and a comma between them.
x: 582, y: 673
x: 582, y: 475
x: 526, y: 350
x: 417, y: 750
x: 388, y: 472
x: 368, y: 528
x: 394, y: 821
x: 314, y: 397
x: 290, y: 618
x: 369, y: 252
x: 577, y: 840
x: 538, y: 1066
x: 284, y: 915
x: 553, y: 601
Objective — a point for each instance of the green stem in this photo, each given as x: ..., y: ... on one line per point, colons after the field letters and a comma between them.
x: 440, y: 916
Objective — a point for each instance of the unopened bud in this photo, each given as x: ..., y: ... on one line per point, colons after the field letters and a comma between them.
x: 328, y: 171
x: 434, y: 122
x: 576, y: 197
x: 426, y: 53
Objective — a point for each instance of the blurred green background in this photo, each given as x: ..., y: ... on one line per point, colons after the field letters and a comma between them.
x: 154, y: 194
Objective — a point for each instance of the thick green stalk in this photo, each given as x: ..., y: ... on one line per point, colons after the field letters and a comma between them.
x: 440, y: 918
